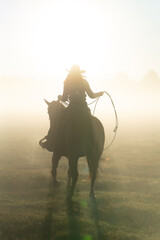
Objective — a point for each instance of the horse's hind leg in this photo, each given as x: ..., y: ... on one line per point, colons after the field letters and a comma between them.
x: 72, y: 175
x: 55, y: 160
x: 93, y: 166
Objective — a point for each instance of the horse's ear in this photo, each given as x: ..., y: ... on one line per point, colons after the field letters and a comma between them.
x: 46, y: 102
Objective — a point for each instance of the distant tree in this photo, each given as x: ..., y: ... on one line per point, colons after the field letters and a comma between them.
x: 151, y: 79
x: 122, y: 82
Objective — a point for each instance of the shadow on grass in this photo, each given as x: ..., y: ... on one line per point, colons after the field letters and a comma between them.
x: 47, y: 232
x: 62, y: 220
x: 73, y: 214
x: 95, y: 215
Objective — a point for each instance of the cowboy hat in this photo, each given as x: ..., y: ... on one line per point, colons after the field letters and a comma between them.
x: 75, y: 68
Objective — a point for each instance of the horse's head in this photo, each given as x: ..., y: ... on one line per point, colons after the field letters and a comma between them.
x: 54, y: 109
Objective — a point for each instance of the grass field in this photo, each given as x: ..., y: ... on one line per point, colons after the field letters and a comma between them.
x: 127, y: 192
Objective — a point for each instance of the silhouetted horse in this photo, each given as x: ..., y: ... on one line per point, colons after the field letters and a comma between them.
x: 74, y: 133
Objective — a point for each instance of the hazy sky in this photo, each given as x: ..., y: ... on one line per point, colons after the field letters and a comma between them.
x: 41, y: 38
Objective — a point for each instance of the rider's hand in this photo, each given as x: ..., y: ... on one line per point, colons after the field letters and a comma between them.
x: 59, y: 97
x: 101, y: 93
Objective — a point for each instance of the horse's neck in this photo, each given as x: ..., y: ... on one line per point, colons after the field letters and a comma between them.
x: 55, y: 120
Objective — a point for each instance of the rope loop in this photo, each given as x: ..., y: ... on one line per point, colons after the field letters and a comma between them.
x: 116, y: 118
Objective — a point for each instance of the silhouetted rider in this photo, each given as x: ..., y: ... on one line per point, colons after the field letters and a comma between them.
x: 75, y: 89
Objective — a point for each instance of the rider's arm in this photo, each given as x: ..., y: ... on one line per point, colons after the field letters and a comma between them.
x: 90, y: 93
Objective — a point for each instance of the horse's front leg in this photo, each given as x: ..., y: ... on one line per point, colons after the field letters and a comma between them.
x: 72, y: 175
x: 55, y: 160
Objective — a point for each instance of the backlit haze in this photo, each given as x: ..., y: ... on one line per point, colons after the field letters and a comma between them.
x: 116, y: 42
x: 41, y: 39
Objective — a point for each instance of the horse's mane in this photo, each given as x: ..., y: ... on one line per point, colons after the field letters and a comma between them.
x: 55, y: 108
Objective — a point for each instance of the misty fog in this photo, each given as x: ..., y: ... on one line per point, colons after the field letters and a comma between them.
x: 24, y: 112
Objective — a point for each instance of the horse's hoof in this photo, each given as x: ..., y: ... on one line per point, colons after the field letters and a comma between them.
x: 69, y: 195
x: 68, y: 198
x: 92, y: 200
x: 56, y: 184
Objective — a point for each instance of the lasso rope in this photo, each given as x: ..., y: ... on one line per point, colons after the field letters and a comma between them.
x: 116, y: 118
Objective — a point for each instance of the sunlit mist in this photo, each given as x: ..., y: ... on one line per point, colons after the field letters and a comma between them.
x: 116, y: 42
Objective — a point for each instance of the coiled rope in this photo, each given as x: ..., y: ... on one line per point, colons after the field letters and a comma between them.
x: 116, y: 118
x: 115, y: 112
